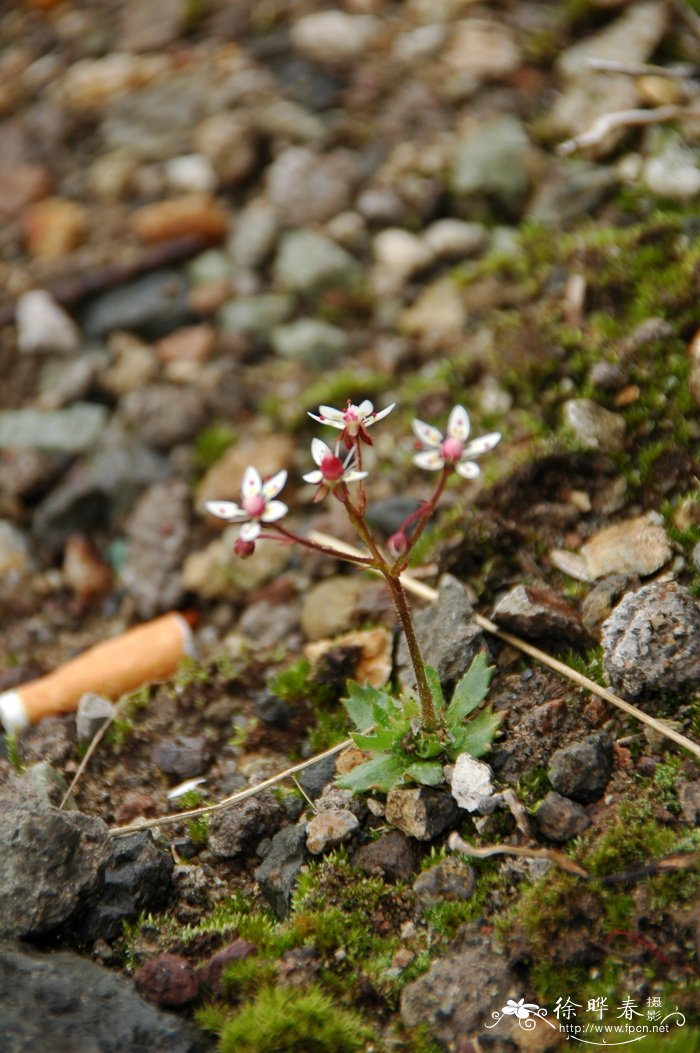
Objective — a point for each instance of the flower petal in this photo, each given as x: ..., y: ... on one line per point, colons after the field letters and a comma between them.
x: 458, y: 426
x: 381, y: 414
x: 252, y: 483
x: 272, y: 486
x: 352, y: 476
x: 426, y: 433
x: 319, y: 451
x: 313, y: 477
x: 334, y: 417
x: 429, y: 459
x: 481, y: 445
x: 273, y: 511
x: 468, y: 469
x: 365, y: 409
x: 249, y: 531
x: 225, y: 510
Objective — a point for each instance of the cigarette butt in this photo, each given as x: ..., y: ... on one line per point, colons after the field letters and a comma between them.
x: 146, y: 653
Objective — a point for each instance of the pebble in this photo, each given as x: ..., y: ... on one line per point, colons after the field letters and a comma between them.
x: 448, y: 881
x: 190, y: 174
x: 312, y: 342
x: 482, y: 49
x: 595, y: 427
x: 71, y: 430
x: 539, y: 613
x: 93, y: 712
x: 307, y: 261
x: 471, y: 782
x: 398, y: 255
x: 167, y: 981
x: 330, y: 607
x: 64, y: 380
x: 492, y: 161
x: 54, y: 227
x: 673, y: 172
x: 582, y: 771
x: 447, y: 633
x: 450, y: 238
x: 651, y: 641
x: 334, y: 38
x: 599, y: 602
x: 560, y: 819
x: 227, y: 145
x: 174, y: 218
x: 152, y: 306
x: 185, y: 756
x: 393, y: 856
x: 414, y: 45
x: 329, y: 829
x: 254, y: 234
x: 438, y: 315
x: 21, y: 184
x: 637, y: 546
x: 241, y: 827
x: 43, y: 325
x: 164, y: 414
x: 689, y: 800
x: 423, y: 813
x: 63, y: 995
x: 157, y: 534
x: 314, y: 779
x: 15, y: 556
x: 308, y: 187
x: 255, y: 316
x: 278, y: 871
x: 193, y: 344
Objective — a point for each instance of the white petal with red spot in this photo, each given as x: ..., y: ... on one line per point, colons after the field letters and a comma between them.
x: 458, y: 425
x: 273, y: 485
x: 426, y: 433
x: 274, y: 510
x: 429, y: 459
x: 225, y: 510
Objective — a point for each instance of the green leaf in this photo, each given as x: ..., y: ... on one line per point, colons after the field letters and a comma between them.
x: 427, y: 745
x: 379, y: 773
x: 435, y: 688
x: 471, y: 690
x: 359, y: 704
x: 427, y: 773
x: 379, y: 740
x: 476, y: 737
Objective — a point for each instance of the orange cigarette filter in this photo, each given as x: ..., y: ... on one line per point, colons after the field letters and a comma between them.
x: 146, y: 653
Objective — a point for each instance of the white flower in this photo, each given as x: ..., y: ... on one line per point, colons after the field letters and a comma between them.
x: 257, y: 505
x: 353, y: 421
x: 331, y: 469
x: 452, y: 449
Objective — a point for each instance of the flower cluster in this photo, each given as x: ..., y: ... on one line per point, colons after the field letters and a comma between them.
x: 333, y: 473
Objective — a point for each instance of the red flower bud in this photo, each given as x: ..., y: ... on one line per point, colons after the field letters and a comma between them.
x: 243, y: 549
x: 398, y: 543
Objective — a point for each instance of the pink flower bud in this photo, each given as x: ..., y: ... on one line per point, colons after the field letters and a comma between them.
x: 398, y: 543
x: 243, y: 549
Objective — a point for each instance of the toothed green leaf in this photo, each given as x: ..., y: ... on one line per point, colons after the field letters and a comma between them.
x: 377, y: 740
x: 471, y: 690
x: 379, y: 773
x: 427, y: 773
x: 435, y: 688
x: 476, y: 736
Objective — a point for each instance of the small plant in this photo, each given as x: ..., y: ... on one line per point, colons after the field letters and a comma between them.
x: 416, y: 734
x: 386, y: 727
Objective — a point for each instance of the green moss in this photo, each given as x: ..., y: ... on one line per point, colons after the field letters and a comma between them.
x: 243, y: 978
x: 286, y: 1020
x: 211, y: 444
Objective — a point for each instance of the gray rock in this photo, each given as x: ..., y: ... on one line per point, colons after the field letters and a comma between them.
x: 448, y: 881
x: 315, y: 778
x: 152, y: 306
x: 689, y: 800
x: 137, y: 878
x: 460, y: 991
x: 421, y: 812
x: 157, y: 533
x: 254, y: 234
x: 307, y: 187
x: 60, y: 1003
x: 164, y: 414
x: 674, y: 172
x: 447, y: 633
x: 651, y: 641
x: 334, y: 38
x: 93, y: 711
x: 390, y: 513
x: 492, y: 162
x: 51, y: 866
x: 582, y: 771
x: 255, y: 315
x: 243, y: 825
x: 599, y: 602
x: 330, y: 829
x: 559, y: 819
x: 43, y: 325
x: 185, y: 756
x: 278, y: 871
x: 72, y: 430
x: 392, y: 856
x: 307, y: 261
x: 595, y: 427
x: 540, y: 614
x: 310, y: 341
